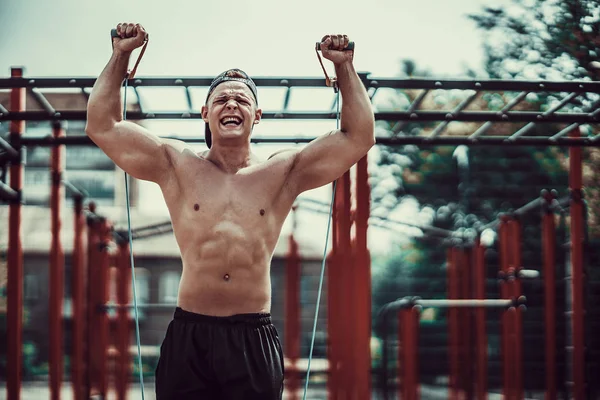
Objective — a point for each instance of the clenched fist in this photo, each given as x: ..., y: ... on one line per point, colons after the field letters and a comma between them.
x: 332, y: 48
x: 131, y: 36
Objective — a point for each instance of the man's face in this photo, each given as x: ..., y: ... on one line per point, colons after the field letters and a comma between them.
x: 231, y: 111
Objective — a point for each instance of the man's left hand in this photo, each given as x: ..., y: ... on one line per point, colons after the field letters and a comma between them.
x: 332, y: 48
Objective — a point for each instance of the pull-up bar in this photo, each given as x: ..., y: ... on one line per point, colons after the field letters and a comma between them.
x: 409, y: 302
x: 582, y: 112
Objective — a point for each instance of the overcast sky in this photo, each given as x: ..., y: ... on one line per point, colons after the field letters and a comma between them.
x: 263, y: 37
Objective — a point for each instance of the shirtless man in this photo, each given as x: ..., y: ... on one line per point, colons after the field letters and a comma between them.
x: 227, y: 207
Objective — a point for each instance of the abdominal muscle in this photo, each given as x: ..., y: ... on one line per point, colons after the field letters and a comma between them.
x: 226, y: 270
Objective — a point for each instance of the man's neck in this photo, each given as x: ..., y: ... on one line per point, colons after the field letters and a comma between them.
x: 230, y: 158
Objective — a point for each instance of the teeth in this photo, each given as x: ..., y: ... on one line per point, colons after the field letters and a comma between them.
x: 230, y: 119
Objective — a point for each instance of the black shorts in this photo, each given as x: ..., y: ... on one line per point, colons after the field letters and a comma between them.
x: 206, y: 357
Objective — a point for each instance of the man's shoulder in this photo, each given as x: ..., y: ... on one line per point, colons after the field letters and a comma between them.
x: 175, y: 144
x: 284, y: 153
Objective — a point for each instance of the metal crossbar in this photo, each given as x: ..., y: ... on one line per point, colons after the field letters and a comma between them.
x: 566, y: 92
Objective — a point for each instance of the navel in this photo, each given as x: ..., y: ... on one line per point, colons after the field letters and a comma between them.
x: 262, y: 211
x: 196, y: 207
x: 226, y: 277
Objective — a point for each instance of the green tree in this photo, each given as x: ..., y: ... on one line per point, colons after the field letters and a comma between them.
x: 545, y: 39
x: 549, y: 39
x: 559, y: 39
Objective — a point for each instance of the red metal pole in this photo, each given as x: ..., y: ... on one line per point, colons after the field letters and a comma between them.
x: 505, y: 318
x: 123, y: 285
x: 345, y: 278
x: 78, y: 300
x: 292, y: 317
x: 57, y: 265
x: 453, y: 324
x: 14, y: 284
x: 413, y: 319
x: 408, y: 319
x: 466, y: 324
x: 94, y: 249
x: 103, y: 328
x: 98, y: 327
x: 334, y: 292
x: 577, y: 275
x: 549, y: 254
x: 339, y: 279
x: 362, y: 283
x: 517, y: 369
x: 402, y: 383
x: 480, y: 336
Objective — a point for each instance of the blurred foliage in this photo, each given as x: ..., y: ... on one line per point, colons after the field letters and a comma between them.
x: 541, y: 39
x: 462, y: 189
x: 537, y: 39
x: 548, y: 39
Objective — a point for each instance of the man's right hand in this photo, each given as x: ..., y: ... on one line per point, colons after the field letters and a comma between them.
x: 131, y: 36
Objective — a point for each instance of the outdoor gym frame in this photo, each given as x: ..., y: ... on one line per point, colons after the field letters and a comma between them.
x: 349, y: 296
x: 467, y: 337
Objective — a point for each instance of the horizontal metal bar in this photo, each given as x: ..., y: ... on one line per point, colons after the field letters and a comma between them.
x: 113, y: 306
x: 532, y: 205
x: 370, y: 81
x: 524, y: 209
x: 529, y: 274
x: 409, y: 302
x: 416, y: 116
x: 12, y: 153
x: 386, y: 141
x: 8, y: 193
x: 487, y: 303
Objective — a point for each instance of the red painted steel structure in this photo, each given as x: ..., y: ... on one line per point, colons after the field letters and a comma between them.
x: 362, y: 282
x: 481, y: 344
x: 346, y: 356
x: 517, y: 327
x: 453, y: 324
x: 577, y: 275
x: 123, y: 282
x: 466, y: 324
x: 79, y: 309
x: 349, y: 290
x: 14, y: 316
x: 506, y: 354
x: 408, y: 356
x: 102, y: 316
x: 99, y: 263
x: 339, y: 279
x: 549, y: 262
x: 57, y: 265
x: 512, y: 322
x: 292, y: 329
x: 94, y: 247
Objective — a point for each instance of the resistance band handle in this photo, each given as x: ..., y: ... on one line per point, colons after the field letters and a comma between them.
x: 131, y: 73
x: 350, y: 46
x: 113, y: 33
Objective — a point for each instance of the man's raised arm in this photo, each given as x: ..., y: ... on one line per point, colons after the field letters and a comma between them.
x: 326, y: 158
x: 138, y: 152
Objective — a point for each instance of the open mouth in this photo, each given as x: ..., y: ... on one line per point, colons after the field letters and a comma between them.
x: 231, y: 121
